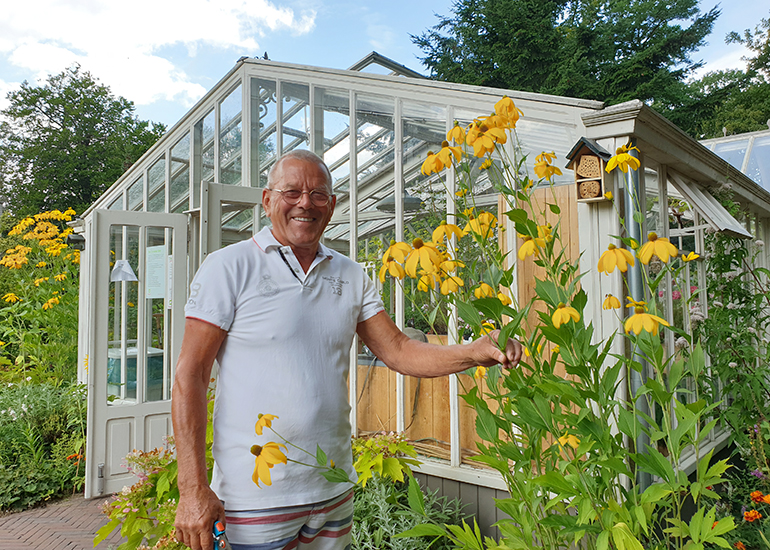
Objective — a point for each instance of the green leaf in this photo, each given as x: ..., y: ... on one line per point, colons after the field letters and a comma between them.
x: 336, y: 475
x: 517, y: 215
x: 105, y: 531
x: 162, y: 486
x: 415, y: 497
x: 486, y: 426
x: 655, y: 493
x: 468, y: 313
x: 320, y: 456
x: 554, y: 208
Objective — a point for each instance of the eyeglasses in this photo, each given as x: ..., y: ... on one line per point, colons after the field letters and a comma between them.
x: 293, y: 196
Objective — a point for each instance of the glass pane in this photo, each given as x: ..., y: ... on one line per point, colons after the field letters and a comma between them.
x: 180, y: 175
x: 157, y: 314
x: 230, y: 128
x: 122, y: 327
x: 733, y: 151
x: 237, y: 223
x: 263, y: 132
x: 157, y: 189
x: 296, y: 116
x: 204, y: 131
x: 117, y: 204
x: 136, y: 195
x: 331, y: 124
x: 758, y: 168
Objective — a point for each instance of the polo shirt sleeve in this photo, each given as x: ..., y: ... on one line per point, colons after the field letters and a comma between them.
x: 371, y: 303
x: 212, y: 293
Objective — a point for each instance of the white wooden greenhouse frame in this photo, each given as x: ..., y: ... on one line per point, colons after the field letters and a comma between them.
x: 199, y: 188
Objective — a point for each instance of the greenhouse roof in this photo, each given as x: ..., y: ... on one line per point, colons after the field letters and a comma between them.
x: 749, y: 153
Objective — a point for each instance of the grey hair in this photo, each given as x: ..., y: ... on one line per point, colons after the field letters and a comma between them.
x: 304, y: 155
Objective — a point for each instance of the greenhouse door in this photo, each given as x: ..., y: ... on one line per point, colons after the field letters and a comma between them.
x: 137, y: 269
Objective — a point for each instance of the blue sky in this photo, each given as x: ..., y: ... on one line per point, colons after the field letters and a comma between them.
x: 165, y: 54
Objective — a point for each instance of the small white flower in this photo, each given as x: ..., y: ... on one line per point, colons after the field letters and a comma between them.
x: 732, y: 306
x: 759, y: 243
x: 681, y: 343
x: 29, y: 378
x: 752, y: 330
x: 729, y: 339
x: 717, y: 303
x: 24, y: 407
x: 732, y: 365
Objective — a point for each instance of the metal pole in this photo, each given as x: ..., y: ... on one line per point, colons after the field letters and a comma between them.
x: 633, y: 203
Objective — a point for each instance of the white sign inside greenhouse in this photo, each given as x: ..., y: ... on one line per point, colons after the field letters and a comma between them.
x: 156, y: 272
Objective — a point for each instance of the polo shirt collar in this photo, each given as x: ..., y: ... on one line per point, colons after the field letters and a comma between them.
x: 265, y: 240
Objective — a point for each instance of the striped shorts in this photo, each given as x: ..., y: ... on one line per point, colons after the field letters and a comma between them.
x: 321, y: 526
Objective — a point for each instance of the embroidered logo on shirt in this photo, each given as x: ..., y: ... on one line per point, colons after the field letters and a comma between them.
x: 336, y: 284
x: 267, y: 287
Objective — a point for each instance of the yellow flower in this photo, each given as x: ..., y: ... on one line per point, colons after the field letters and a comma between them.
x: 623, y: 159
x: 480, y: 373
x: 11, y: 297
x: 397, y: 251
x: 656, y: 246
x: 446, y: 230
x: 508, y: 110
x: 539, y: 350
x: 428, y: 281
x: 486, y: 164
x: 641, y: 320
x: 481, y: 225
x: 563, y: 314
x: 556, y: 350
x: 267, y: 456
x: 431, y: 164
x: 569, y: 439
x: 447, y: 152
x: 264, y: 421
x: 424, y: 254
x: 60, y: 277
x: 41, y: 264
x: 608, y: 195
x: 37, y: 282
x: 461, y: 193
x: 504, y: 298
x: 611, y: 302
x: 543, y: 167
x: 392, y: 267
x: 484, y: 291
x: 528, y: 248
x: 50, y: 303
x: 449, y: 265
x: 456, y: 134
x: 613, y: 257
x: 486, y: 328
x: 130, y: 304
x: 690, y: 257
x: 451, y: 284
x: 2, y: 343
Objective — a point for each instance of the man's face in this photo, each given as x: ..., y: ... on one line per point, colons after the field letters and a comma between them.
x: 301, y: 225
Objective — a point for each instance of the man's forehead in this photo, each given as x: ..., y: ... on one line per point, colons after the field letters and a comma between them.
x: 298, y: 171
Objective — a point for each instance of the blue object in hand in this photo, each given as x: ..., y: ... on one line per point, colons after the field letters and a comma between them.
x: 220, y: 539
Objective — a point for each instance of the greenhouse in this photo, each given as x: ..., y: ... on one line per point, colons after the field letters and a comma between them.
x: 199, y: 189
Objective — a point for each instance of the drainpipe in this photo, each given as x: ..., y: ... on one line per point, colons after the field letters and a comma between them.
x: 633, y: 200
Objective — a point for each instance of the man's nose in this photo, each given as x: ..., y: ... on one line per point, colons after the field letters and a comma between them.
x: 305, y: 201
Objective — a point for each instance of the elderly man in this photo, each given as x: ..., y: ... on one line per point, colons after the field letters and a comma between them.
x: 279, y: 313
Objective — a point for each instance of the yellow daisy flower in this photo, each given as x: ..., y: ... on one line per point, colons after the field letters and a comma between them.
x: 484, y: 291
x: 264, y: 421
x: 641, y: 320
x: 611, y: 302
x: 267, y: 456
x: 613, y: 257
x: 563, y: 314
x: 656, y: 246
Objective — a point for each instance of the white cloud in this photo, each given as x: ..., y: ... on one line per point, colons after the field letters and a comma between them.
x: 121, y: 43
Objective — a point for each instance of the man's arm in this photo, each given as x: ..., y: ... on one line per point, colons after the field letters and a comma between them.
x: 199, y: 508
x: 422, y: 360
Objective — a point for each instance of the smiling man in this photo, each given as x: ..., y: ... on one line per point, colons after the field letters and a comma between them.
x: 279, y: 312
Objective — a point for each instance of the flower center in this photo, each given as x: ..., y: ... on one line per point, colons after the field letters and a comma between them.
x: 445, y: 143
x: 256, y: 450
x: 639, y: 310
x: 652, y: 236
x: 611, y: 247
x: 417, y: 243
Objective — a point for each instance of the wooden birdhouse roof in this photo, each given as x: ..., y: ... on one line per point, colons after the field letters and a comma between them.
x: 589, y: 144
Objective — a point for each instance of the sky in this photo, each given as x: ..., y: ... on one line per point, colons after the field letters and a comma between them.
x: 165, y: 54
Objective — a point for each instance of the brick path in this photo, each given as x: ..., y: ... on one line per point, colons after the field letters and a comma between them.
x: 69, y: 524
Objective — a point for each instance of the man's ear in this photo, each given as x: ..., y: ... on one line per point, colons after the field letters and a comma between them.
x: 266, y: 201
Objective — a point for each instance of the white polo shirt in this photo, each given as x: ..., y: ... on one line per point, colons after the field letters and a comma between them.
x: 286, y: 353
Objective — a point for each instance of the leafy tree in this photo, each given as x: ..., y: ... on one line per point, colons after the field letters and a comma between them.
x: 732, y: 101
x: 64, y: 143
x: 609, y: 50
